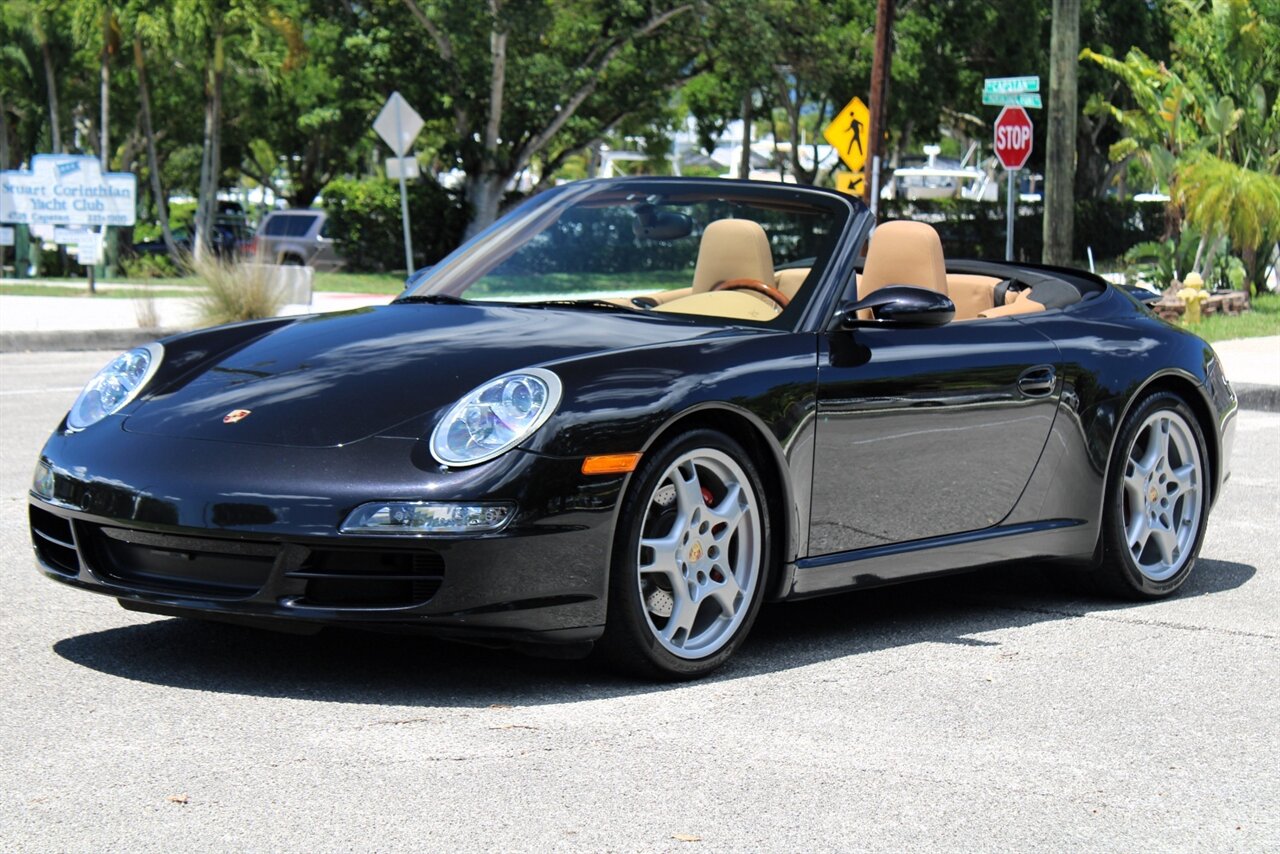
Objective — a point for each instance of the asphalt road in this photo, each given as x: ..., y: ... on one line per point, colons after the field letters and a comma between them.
x: 986, y: 712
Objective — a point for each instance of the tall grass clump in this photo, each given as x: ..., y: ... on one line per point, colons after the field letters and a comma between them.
x: 147, y: 312
x: 235, y: 291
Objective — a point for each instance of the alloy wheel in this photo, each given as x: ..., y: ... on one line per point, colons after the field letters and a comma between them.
x: 700, y: 553
x: 1163, y: 493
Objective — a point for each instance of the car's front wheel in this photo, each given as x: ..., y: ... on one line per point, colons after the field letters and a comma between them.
x: 690, y: 561
x: 1157, y: 500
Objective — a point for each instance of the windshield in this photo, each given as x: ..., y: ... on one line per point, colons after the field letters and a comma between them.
x: 713, y: 249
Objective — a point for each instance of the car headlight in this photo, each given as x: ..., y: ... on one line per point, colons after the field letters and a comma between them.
x: 495, y: 417
x: 115, y: 385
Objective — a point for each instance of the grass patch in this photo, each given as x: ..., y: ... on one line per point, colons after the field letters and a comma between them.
x: 82, y: 290
x: 83, y: 283
x: 579, y: 283
x: 359, y: 283
x: 550, y: 284
x: 1264, y: 320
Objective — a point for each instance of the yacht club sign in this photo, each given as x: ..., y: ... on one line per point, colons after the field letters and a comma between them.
x: 63, y: 189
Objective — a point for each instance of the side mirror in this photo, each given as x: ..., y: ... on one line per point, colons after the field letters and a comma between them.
x: 899, y: 305
x: 416, y: 277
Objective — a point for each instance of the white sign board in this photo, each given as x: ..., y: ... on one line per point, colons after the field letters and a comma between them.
x: 73, y: 235
x: 64, y: 189
x: 406, y: 166
x: 398, y: 124
x: 89, y: 254
x: 6, y: 236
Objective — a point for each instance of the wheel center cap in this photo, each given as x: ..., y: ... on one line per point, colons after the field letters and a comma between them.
x: 1152, y: 495
x: 695, y: 552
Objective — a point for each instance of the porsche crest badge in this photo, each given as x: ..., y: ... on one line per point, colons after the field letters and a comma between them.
x: 235, y: 415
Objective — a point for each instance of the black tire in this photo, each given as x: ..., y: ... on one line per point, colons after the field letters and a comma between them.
x: 633, y: 641
x: 1148, y: 575
x: 291, y: 261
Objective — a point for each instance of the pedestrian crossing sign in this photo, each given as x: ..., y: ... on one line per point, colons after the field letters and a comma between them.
x: 849, y: 134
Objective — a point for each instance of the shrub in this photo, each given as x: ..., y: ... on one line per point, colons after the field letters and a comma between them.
x: 235, y: 291
x: 149, y: 267
x: 364, y: 218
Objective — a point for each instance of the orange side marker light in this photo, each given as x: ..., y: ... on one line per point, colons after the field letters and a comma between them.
x: 610, y: 464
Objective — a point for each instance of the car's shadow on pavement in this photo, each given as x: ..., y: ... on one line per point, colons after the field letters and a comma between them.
x: 357, y: 667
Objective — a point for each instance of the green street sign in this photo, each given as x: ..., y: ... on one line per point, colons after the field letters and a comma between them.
x: 1010, y: 85
x: 998, y: 99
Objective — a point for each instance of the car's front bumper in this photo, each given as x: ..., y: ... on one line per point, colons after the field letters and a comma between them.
x: 251, y: 533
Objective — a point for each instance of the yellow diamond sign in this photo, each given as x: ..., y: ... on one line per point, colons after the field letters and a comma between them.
x: 847, y: 134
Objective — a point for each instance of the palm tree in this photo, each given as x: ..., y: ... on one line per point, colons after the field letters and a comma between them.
x: 148, y: 23
x: 1208, y: 124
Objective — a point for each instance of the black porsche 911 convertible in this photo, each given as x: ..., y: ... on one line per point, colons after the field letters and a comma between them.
x: 629, y: 413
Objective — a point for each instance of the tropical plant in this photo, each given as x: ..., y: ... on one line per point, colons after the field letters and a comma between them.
x: 1207, y: 123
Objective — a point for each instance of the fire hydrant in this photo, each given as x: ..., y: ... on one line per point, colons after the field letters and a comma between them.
x: 1192, y: 295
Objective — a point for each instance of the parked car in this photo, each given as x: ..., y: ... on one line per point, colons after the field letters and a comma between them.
x: 297, y: 237
x: 630, y: 413
x: 232, y: 238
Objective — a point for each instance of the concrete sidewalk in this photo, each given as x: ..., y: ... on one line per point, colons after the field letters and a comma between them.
x: 84, y: 323
x: 99, y: 323
x: 1253, y: 367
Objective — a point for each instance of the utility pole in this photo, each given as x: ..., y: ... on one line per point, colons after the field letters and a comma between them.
x: 1060, y: 147
x: 881, y: 62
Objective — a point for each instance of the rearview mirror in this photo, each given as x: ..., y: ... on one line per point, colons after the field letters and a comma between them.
x: 899, y: 305
x: 654, y: 224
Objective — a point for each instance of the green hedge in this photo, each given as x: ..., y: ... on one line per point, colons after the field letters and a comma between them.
x: 364, y: 217
x: 977, y: 229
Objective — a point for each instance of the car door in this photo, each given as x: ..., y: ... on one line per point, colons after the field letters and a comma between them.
x: 326, y: 255
x: 924, y: 432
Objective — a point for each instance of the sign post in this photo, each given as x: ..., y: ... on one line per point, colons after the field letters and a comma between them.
x: 847, y: 134
x: 1013, y: 148
x: 398, y: 125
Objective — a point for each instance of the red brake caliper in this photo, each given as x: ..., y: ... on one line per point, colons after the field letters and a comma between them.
x: 708, y: 499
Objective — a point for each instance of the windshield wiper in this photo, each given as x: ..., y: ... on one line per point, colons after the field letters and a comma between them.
x: 603, y: 305
x: 433, y: 299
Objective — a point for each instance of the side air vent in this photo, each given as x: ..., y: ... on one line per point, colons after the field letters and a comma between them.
x: 53, y: 541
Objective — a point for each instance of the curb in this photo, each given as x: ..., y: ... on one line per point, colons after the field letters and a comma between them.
x: 1261, y: 397
x: 72, y: 339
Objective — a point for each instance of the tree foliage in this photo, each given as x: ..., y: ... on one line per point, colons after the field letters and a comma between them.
x: 517, y: 94
x: 1207, y: 122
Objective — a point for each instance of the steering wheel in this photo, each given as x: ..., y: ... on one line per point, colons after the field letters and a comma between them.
x: 754, y: 285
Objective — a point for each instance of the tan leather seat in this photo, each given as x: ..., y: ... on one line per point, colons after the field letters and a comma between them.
x: 732, y: 249
x: 972, y: 294
x: 1019, y: 302
x: 903, y: 253
x: 789, y: 281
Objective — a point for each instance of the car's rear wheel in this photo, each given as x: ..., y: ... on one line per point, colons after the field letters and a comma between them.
x: 1157, y: 500
x: 690, y: 560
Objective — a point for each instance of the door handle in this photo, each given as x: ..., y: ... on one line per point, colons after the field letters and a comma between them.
x: 1037, y: 381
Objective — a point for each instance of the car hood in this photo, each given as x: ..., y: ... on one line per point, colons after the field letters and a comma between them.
x: 337, y: 378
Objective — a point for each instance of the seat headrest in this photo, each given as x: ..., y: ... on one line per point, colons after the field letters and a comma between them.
x: 732, y: 249
x: 903, y: 252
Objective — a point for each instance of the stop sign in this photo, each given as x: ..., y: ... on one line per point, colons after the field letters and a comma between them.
x: 1013, y: 137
